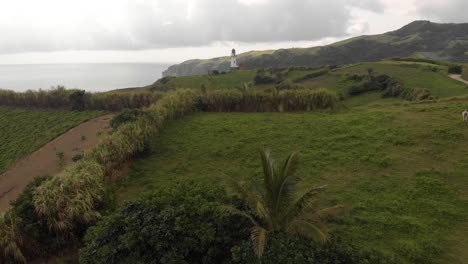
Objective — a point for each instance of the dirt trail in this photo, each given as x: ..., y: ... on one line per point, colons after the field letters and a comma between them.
x: 458, y: 78
x: 45, y: 160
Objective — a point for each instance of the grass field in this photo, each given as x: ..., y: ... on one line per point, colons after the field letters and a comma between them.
x: 400, y: 167
x: 23, y: 131
x: 412, y: 74
x: 465, y: 73
x: 415, y: 75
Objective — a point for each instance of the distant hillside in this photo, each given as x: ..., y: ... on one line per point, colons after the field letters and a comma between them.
x: 424, y: 39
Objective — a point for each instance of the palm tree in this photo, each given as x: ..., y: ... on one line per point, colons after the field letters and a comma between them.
x: 274, y: 205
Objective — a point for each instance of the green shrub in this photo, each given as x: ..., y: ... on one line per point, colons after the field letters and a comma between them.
x: 264, y: 77
x: 42, y: 242
x: 60, y: 158
x: 355, y: 77
x: 77, y: 157
x: 78, y: 100
x: 126, y: 115
x: 69, y: 202
x: 11, y: 239
x: 294, y: 250
x: 377, y: 83
x: 312, y: 75
x: 288, y: 85
x: 177, y: 224
x: 417, y: 60
x: 455, y: 69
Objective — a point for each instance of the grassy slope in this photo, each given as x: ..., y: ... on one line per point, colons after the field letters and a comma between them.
x: 402, y: 168
x: 413, y: 75
x: 24, y: 131
x: 416, y: 75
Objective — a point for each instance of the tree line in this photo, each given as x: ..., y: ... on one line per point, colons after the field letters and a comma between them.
x: 77, y: 100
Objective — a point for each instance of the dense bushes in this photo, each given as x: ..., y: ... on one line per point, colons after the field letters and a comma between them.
x: 178, y: 224
x: 288, y: 85
x: 41, y: 241
x: 312, y: 75
x: 455, y: 69
x: 283, y: 101
x: 269, y: 76
x: 423, y: 60
x: 370, y: 83
x: 294, y: 250
x: 125, y: 116
x: 388, y: 86
x: 79, y: 100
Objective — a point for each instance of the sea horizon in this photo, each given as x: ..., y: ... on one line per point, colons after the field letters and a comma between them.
x: 93, y: 77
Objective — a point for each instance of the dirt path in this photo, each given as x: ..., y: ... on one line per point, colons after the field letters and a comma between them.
x: 45, y: 160
x: 458, y: 78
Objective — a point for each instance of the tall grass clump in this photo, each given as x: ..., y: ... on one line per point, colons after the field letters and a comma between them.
x: 70, y: 201
x: 64, y: 99
x: 282, y: 101
x: 307, y: 100
x: 11, y: 240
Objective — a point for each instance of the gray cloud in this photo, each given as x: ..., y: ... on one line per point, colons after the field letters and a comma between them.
x: 147, y: 24
x: 373, y: 5
x: 449, y: 11
x: 175, y: 23
x: 231, y: 21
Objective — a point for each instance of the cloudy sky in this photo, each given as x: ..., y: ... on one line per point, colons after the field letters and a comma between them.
x: 75, y: 31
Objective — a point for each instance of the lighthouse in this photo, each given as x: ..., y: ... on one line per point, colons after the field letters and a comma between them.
x: 234, y: 65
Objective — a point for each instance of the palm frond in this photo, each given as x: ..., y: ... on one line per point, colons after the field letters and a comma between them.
x: 228, y: 209
x: 247, y: 195
x: 312, y: 230
x: 286, y: 187
x: 259, y: 235
x: 333, y: 211
x: 302, y: 205
x: 291, y: 164
x: 305, y: 199
x: 268, y: 169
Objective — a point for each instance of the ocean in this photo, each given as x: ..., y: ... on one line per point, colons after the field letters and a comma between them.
x: 96, y: 77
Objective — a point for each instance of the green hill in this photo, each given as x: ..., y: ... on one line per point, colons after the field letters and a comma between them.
x: 412, y: 74
x: 422, y: 39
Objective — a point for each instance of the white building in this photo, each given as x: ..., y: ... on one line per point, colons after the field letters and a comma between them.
x: 234, y: 65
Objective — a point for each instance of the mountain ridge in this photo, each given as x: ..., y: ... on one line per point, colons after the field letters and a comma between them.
x: 421, y: 38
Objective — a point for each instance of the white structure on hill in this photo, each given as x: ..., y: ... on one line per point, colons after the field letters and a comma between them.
x: 234, y: 65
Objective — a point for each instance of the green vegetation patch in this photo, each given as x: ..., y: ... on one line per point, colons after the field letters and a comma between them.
x: 415, y: 74
x: 393, y: 166
x: 465, y: 73
x: 24, y: 131
x: 233, y: 79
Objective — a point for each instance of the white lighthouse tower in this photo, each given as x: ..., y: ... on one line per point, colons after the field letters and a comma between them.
x: 234, y: 65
